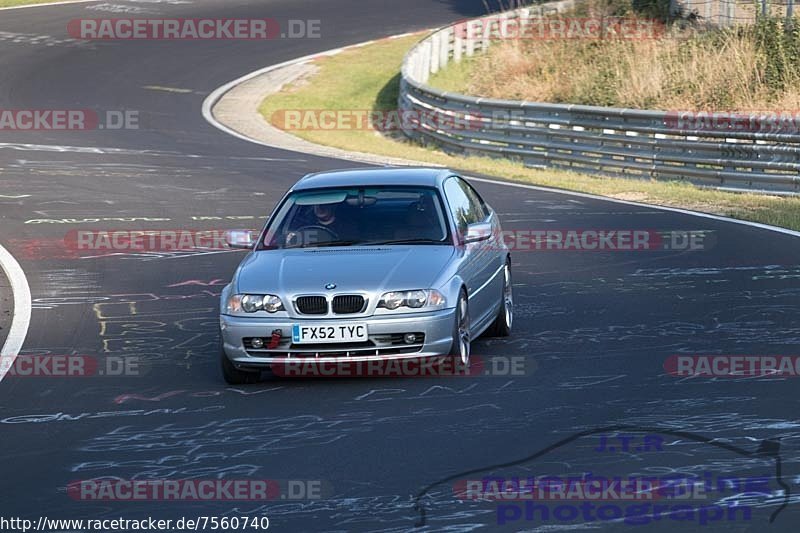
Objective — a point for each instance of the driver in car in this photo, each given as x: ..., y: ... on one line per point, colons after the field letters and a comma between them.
x: 326, y: 217
x: 323, y: 226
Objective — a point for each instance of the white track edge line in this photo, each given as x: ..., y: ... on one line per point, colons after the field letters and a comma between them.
x: 216, y: 95
x: 63, y: 3
x: 21, y: 319
x: 639, y: 204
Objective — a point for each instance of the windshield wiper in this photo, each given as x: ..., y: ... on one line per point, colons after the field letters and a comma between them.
x: 324, y: 243
x: 403, y: 241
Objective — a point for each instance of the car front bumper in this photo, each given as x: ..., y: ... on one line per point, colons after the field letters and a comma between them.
x: 437, y: 327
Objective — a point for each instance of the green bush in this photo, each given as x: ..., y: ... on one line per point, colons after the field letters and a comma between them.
x: 650, y: 9
x: 654, y: 9
x: 780, y: 46
x: 606, y: 8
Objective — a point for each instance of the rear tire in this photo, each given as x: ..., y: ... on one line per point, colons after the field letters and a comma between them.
x: 461, y: 347
x: 501, y: 327
x: 232, y: 375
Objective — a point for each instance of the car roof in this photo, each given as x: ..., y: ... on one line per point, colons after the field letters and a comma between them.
x: 357, y: 177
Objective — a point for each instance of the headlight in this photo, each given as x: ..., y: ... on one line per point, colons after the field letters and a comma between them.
x: 392, y: 300
x: 413, y: 299
x: 251, y: 303
x: 272, y: 303
x: 416, y: 298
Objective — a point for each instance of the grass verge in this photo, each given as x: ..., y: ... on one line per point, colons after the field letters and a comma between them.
x: 681, y: 66
x: 367, y: 78
x: 720, y: 70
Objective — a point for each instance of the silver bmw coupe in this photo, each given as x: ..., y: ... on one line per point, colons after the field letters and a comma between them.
x: 367, y: 265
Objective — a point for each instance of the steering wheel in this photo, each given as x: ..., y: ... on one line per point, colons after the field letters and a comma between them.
x: 318, y: 227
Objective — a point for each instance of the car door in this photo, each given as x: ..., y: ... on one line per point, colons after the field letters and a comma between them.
x: 492, y: 257
x: 476, y: 267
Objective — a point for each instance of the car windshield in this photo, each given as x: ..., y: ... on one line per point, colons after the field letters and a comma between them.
x: 358, y: 216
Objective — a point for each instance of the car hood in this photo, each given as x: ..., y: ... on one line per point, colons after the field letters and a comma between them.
x: 288, y: 272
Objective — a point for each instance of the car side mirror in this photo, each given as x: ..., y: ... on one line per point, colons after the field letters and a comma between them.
x: 477, y: 232
x: 240, y: 238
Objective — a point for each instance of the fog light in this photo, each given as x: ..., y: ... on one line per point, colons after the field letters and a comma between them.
x: 258, y: 343
x: 409, y: 338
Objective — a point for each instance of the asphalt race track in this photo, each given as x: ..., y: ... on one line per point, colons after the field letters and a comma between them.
x: 593, y: 329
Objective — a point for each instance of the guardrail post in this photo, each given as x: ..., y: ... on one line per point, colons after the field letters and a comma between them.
x: 415, y: 65
x: 458, y: 45
x: 436, y: 43
x: 444, y: 47
x: 486, y: 38
x: 472, y: 28
x: 426, y: 61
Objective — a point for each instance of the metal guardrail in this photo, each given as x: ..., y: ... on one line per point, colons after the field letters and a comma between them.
x: 588, y: 139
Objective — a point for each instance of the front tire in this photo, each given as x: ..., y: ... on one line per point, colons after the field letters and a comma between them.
x: 501, y: 327
x: 232, y: 375
x: 460, y: 350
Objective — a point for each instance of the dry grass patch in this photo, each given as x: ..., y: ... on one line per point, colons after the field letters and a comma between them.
x: 754, y: 68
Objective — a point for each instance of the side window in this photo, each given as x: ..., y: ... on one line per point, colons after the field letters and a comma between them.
x: 459, y: 203
x: 478, y: 207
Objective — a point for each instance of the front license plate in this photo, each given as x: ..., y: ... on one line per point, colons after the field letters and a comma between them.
x: 320, y: 333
